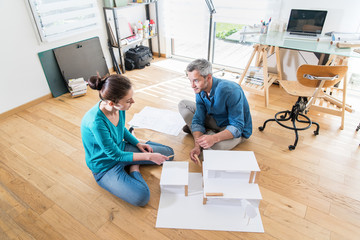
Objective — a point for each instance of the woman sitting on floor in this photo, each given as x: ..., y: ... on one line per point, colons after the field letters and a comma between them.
x: 110, y: 147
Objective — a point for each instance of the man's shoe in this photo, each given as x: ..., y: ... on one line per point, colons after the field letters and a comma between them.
x: 186, y: 129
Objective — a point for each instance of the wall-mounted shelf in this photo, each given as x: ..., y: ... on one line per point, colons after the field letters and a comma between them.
x: 114, y: 37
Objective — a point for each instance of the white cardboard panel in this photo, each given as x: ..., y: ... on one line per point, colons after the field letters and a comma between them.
x: 175, y: 173
x: 243, y: 161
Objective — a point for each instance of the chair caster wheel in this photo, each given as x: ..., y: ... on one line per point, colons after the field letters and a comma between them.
x: 316, y: 133
x: 291, y: 147
x: 261, y: 129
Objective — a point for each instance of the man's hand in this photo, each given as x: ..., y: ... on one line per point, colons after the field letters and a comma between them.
x: 206, y: 141
x: 195, y: 151
x: 144, y: 147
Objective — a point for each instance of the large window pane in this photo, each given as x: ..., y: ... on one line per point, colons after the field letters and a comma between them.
x: 228, y: 49
x: 187, y: 25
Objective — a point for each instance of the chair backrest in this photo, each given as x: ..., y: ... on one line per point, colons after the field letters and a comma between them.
x: 320, y: 71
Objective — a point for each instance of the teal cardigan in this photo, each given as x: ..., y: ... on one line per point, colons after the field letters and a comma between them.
x: 103, y: 142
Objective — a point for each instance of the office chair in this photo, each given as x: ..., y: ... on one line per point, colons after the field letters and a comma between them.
x: 310, y: 81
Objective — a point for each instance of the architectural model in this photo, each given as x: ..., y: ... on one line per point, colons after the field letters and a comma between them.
x: 223, y: 197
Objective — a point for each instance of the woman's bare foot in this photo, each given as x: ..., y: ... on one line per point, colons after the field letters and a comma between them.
x: 135, y: 168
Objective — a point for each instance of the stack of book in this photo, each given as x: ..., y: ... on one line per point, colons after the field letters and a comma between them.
x: 77, y: 87
x: 255, y: 76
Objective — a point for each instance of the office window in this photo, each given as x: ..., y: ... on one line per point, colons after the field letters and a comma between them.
x: 230, y: 20
x: 186, y: 22
x: 57, y: 19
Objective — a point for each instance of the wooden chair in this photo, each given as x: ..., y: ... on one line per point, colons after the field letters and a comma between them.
x: 311, y: 79
x: 334, y: 101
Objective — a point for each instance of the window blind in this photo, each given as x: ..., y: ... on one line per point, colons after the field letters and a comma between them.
x: 185, y: 19
x: 245, y: 11
x: 190, y: 18
x: 56, y: 19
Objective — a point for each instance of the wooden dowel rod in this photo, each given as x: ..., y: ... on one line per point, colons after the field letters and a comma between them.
x: 197, y: 159
x: 214, y: 194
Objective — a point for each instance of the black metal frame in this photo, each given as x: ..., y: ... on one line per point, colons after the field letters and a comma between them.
x: 117, y: 33
x: 293, y: 116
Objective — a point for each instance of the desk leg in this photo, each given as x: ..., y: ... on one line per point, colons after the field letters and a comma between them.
x: 343, y: 61
x: 278, y: 63
x: 343, y: 110
x: 256, y: 47
x: 266, y: 77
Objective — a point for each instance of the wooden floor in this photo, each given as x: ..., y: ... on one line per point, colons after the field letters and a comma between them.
x: 47, y: 191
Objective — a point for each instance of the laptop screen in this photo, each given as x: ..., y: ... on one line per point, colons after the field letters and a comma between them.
x: 306, y: 21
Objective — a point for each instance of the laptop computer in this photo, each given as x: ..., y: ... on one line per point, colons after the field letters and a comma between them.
x: 305, y: 24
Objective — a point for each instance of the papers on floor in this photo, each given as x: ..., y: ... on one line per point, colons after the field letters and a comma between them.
x: 160, y: 120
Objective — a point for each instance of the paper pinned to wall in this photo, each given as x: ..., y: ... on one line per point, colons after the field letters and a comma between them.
x: 160, y: 120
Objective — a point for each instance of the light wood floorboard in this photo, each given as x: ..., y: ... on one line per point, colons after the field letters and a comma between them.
x: 47, y: 191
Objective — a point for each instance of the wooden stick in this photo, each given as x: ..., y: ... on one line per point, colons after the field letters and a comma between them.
x: 214, y: 194
x: 171, y: 156
x: 197, y: 159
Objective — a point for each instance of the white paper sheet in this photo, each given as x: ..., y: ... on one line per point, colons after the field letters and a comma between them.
x: 160, y: 120
x: 179, y: 211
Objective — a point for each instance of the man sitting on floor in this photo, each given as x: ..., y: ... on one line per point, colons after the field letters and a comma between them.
x: 221, y: 117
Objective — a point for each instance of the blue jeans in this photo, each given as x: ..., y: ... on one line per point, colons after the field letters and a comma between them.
x: 131, y: 187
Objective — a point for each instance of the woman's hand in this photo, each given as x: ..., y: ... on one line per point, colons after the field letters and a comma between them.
x: 157, y: 158
x: 144, y: 147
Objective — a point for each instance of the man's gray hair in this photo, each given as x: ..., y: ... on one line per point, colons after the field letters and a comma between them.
x: 202, y: 65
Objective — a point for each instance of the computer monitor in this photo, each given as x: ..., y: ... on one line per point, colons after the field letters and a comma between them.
x: 306, y: 21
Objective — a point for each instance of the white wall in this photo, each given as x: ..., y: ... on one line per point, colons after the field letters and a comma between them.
x: 343, y: 16
x: 21, y: 76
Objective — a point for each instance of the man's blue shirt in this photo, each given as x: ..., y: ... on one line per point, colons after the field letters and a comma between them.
x: 229, y: 107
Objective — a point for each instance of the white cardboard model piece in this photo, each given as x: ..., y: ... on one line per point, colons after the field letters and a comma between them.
x: 230, y: 175
x: 175, y: 177
x: 224, y: 197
